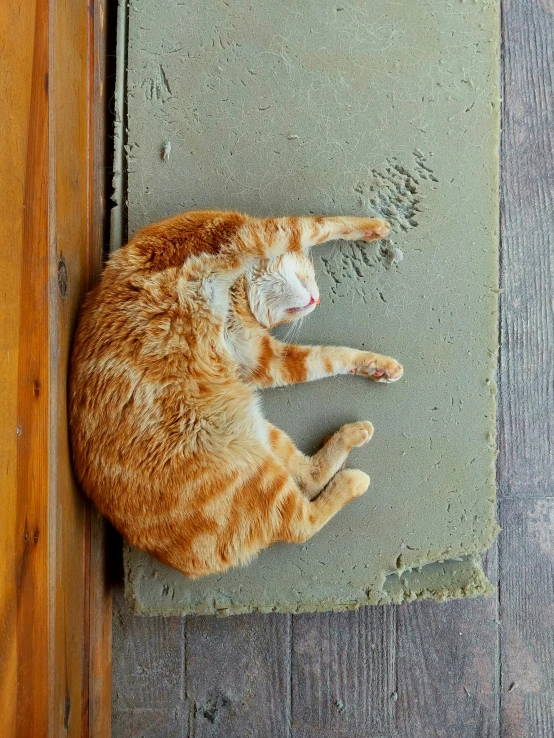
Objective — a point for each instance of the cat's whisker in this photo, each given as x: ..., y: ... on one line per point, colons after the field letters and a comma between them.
x: 293, y: 333
x: 290, y: 332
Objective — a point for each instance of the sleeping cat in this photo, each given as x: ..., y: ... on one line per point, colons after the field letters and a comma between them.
x: 168, y: 439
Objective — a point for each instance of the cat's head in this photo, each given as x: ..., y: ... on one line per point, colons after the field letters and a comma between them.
x: 282, y: 289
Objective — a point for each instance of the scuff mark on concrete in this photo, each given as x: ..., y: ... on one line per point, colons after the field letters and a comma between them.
x: 392, y: 192
x: 157, y: 88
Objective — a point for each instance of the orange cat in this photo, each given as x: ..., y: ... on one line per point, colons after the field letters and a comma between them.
x: 168, y: 439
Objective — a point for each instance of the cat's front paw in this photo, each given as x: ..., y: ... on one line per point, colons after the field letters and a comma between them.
x: 379, y: 368
x: 373, y: 229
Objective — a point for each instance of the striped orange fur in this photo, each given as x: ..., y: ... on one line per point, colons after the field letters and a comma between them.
x: 170, y: 349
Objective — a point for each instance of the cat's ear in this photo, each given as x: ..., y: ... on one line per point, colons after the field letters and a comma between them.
x: 256, y: 294
x: 258, y: 304
x: 256, y: 299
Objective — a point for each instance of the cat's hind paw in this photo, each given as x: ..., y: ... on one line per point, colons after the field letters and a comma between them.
x: 357, y: 434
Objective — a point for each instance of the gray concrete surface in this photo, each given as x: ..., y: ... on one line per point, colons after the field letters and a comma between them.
x: 361, y: 108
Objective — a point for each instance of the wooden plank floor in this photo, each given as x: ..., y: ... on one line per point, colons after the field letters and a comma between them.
x: 473, y: 669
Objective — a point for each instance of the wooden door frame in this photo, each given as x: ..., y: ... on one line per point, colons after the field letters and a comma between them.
x: 55, y: 608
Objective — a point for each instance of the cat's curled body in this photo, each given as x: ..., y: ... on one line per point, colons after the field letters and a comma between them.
x: 167, y: 436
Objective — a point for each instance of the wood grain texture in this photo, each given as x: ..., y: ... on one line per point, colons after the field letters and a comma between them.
x: 101, y: 22
x: 32, y: 534
x: 527, y: 616
x: 145, y: 723
x: 148, y: 661
x: 69, y: 224
x: 237, y: 676
x: 447, y: 657
x: 47, y: 248
x: 100, y: 629
x: 526, y: 398
x: 344, y: 674
x: 82, y: 691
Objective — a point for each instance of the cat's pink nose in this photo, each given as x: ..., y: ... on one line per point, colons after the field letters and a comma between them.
x: 313, y: 301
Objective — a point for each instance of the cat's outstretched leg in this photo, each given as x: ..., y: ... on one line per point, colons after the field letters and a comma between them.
x: 318, y: 230
x: 279, y: 235
x: 271, y: 237
x: 313, y: 473
x: 279, y: 364
x: 226, y: 243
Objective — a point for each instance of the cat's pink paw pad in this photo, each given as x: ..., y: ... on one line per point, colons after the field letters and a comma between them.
x: 380, y: 232
x: 376, y: 229
x: 383, y: 370
x: 388, y: 374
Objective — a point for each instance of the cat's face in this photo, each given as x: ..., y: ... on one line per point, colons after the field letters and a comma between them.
x: 282, y: 289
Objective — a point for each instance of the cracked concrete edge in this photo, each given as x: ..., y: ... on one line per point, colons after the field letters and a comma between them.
x: 461, y: 578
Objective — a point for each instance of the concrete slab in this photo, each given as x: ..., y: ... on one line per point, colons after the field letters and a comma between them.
x: 388, y: 109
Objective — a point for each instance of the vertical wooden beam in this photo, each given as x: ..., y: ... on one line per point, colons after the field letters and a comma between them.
x: 526, y: 398
x: 32, y: 539
x: 100, y: 595
x: 55, y: 634
x: 25, y: 391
